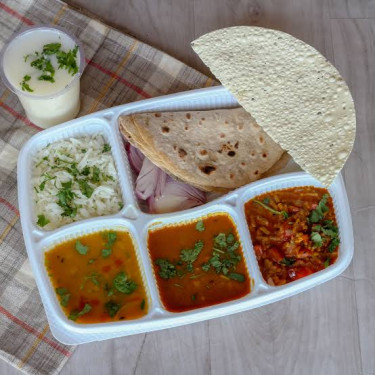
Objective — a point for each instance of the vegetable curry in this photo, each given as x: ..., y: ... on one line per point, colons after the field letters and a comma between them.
x: 198, y: 263
x: 294, y: 232
x: 97, y: 278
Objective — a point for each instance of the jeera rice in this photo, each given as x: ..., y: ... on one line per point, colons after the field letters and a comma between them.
x: 74, y: 179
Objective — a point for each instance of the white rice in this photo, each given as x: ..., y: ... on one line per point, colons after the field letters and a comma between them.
x: 88, y: 152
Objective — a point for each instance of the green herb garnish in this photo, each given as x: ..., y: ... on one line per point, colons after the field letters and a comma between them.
x: 85, y: 188
x: 316, y: 238
x: 326, y: 263
x: 318, y: 214
x: 283, y: 213
x: 67, y: 60
x: 95, y: 174
x: 24, y: 85
x: 42, y: 221
x: 237, y: 276
x: 167, y: 269
x: 65, y: 296
x: 82, y: 249
x: 93, y: 277
x: 143, y: 304
x: 200, y: 226
x: 123, y: 284
x: 112, y: 308
x: 76, y: 314
x: 65, y: 197
x: 51, y: 48
x: 106, y: 253
x: 106, y: 148
x: 287, y: 261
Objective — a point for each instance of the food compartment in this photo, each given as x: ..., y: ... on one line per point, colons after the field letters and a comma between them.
x: 93, y: 275
x: 198, y: 260
x: 72, y: 173
x: 296, y: 228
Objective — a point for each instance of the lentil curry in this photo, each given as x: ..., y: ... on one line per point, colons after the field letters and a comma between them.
x: 198, y: 263
x: 97, y: 278
x: 294, y: 232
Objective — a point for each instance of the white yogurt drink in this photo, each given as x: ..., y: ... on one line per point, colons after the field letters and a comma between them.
x: 43, y: 65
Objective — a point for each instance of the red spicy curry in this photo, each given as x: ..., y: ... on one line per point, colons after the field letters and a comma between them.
x: 199, y: 263
x: 294, y: 232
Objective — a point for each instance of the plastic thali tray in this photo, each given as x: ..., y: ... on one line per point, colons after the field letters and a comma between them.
x: 138, y: 223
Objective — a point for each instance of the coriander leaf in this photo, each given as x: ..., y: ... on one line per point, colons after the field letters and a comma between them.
x: 51, y: 48
x: 167, y: 270
x: 85, y: 188
x: 85, y: 171
x: 267, y: 200
x: 220, y: 240
x: 326, y: 263
x: 230, y: 238
x: 67, y: 60
x: 143, y: 304
x: 111, y: 238
x: 42, y: 221
x: 234, y: 247
x: 123, y: 284
x: 190, y: 255
x: 61, y: 291
x: 46, y: 77
x: 200, y: 226
x: 316, y: 238
x: 287, y: 261
x: 24, y: 85
x: 318, y: 213
x: 76, y: 314
x: 112, y: 308
x: 65, y: 197
x: 206, y: 267
x: 193, y: 297
x: 91, y: 261
x: 81, y: 248
x: 106, y: 148
x: 237, y: 276
x: 95, y: 174
x: 283, y: 213
x: 65, y: 299
x: 106, y: 253
x: 334, y: 243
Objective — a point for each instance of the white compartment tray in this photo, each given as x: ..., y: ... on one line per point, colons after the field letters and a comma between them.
x: 137, y: 222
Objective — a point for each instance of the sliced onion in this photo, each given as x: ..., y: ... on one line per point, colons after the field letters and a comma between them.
x: 176, y: 196
x: 135, y: 157
x: 162, y: 192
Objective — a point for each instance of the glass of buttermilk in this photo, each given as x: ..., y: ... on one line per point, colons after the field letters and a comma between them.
x: 42, y: 65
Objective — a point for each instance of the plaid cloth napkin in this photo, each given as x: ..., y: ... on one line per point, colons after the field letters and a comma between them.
x: 119, y: 69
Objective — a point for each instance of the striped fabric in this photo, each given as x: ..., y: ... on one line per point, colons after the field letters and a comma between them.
x: 119, y: 69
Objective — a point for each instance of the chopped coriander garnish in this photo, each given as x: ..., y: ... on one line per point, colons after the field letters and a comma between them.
x: 76, y: 314
x: 143, y: 304
x: 237, y: 276
x: 316, y: 238
x: 65, y: 199
x: 287, y: 261
x: 167, y: 269
x: 200, y: 226
x: 85, y: 188
x: 194, y: 297
x: 51, y: 48
x: 91, y: 261
x: 82, y: 249
x: 112, y: 308
x: 326, y: 263
x: 42, y: 221
x: 24, y: 85
x: 284, y: 213
x: 106, y: 148
x: 106, y: 253
x: 318, y: 214
x: 65, y: 296
x: 123, y: 284
x: 95, y: 174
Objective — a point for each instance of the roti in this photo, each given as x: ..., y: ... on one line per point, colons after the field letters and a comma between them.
x: 291, y: 90
x: 215, y: 150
